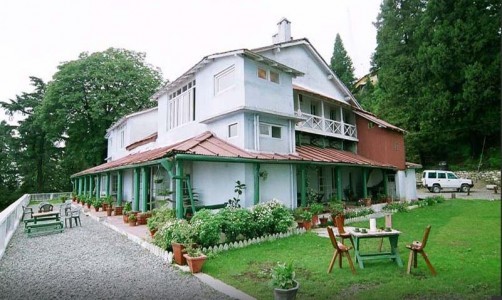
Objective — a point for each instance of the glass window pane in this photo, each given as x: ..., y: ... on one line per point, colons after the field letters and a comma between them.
x: 276, y: 132
x: 262, y: 73
x: 264, y: 129
x: 274, y: 76
x: 442, y: 175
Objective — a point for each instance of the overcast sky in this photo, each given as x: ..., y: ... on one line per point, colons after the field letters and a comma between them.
x: 37, y: 35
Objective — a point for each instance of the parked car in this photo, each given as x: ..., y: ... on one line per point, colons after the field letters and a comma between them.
x: 437, y: 180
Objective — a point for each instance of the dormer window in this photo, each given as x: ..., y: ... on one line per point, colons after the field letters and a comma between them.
x: 270, y: 75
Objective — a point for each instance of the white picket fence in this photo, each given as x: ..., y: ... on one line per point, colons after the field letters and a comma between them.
x: 9, y: 220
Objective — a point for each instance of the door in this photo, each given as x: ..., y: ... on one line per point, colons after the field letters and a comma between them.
x: 391, y: 186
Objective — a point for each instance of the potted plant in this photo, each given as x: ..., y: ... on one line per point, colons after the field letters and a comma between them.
x: 89, y: 201
x: 127, y: 209
x: 307, y: 219
x: 194, y: 257
x: 336, y: 208
x: 109, y: 205
x: 283, y: 281
x: 316, y: 209
x: 132, y: 219
x: 297, y: 215
x: 97, y: 203
x: 182, y: 235
x: 158, y: 179
x: 152, y: 225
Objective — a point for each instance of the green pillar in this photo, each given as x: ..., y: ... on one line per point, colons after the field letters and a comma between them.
x: 144, y: 190
x: 91, y: 183
x: 98, y: 185
x: 385, y: 189
x: 339, y: 191
x: 80, y: 186
x: 303, y: 187
x: 256, y: 183
x: 135, y: 202
x: 108, y: 184
x: 179, y: 189
x: 85, y: 185
x: 120, y: 188
x: 365, y: 183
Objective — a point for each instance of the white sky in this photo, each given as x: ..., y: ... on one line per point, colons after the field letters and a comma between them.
x: 37, y: 35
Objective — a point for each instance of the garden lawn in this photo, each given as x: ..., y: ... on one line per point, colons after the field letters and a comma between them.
x: 464, y: 246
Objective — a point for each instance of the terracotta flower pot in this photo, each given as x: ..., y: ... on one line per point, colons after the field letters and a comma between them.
x: 96, y: 208
x: 315, y: 220
x: 142, y: 218
x: 324, y: 221
x: 132, y: 223
x: 109, y: 211
x: 307, y: 225
x: 118, y: 210
x: 300, y: 224
x: 88, y: 205
x: 105, y: 206
x: 152, y: 231
x: 125, y: 218
x: 178, y: 250
x: 195, y: 263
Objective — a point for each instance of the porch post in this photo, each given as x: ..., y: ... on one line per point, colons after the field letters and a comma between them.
x: 144, y: 190
x: 108, y: 183
x: 303, y: 187
x: 98, y: 185
x: 385, y: 189
x: 84, y: 179
x: 91, y: 183
x: 256, y: 183
x: 135, y: 202
x: 365, y: 186
x: 179, y: 189
x: 119, y: 188
x: 339, y: 192
x: 79, y: 186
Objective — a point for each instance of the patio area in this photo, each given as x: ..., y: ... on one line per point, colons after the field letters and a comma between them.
x: 93, y: 262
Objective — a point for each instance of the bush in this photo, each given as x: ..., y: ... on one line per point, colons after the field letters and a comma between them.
x: 207, y: 227
x: 235, y: 222
x: 159, y: 217
x: 176, y: 230
x: 396, y: 206
x: 271, y: 217
x: 353, y: 213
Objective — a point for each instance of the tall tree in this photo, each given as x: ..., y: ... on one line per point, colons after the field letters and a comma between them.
x: 8, y: 167
x: 88, y: 94
x: 36, y: 157
x: 341, y: 63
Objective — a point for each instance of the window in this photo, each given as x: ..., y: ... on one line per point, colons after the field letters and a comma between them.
x: 270, y: 131
x: 432, y: 175
x: 451, y: 176
x: 370, y: 124
x: 274, y: 77
x: 224, y: 80
x: 122, y: 138
x: 232, y: 130
x: 181, y: 106
x: 262, y: 73
x: 313, y: 109
x: 321, y: 179
x: 332, y: 114
x: 442, y: 175
x: 114, y: 184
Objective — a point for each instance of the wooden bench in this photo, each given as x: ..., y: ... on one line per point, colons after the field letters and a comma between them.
x: 42, y: 227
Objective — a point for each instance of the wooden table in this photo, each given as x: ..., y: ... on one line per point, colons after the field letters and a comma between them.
x: 393, y: 237
x: 45, y: 216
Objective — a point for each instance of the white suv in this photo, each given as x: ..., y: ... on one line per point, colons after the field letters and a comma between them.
x: 437, y: 180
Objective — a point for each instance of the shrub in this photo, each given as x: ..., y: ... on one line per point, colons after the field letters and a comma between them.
x: 175, y: 230
x: 396, y: 206
x: 271, y: 217
x: 283, y: 276
x: 159, y: 217
x: 353, y: 213
x: 207, y: 227
x: 235, y: 222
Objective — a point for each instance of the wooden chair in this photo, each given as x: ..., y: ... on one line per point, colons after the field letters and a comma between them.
x: 418, y: 247
x: 340, y: 250
x: 341, y: 231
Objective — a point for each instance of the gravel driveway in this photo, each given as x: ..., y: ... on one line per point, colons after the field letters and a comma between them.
x: 91, y: 262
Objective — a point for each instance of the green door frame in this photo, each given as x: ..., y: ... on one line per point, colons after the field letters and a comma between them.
x: 135, y: 202
x: 256, y: 196
x: 179, y: 188
x: 91, y: 185
x: 144, y: 188
x: 120, y: 188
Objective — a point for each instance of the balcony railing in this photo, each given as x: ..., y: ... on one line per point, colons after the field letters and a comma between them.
x: 323, y: 125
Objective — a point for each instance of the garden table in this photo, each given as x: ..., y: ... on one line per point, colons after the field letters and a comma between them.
x: 393, y: 237
x: 45, y: 216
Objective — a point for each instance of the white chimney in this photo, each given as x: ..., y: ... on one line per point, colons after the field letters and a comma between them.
x: 284, y: 32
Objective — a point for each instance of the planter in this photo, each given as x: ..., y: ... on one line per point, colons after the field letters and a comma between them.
x: 88, y: 205
x: 178, y: 250
x: 195, y: 263
x: 300, y: 224
x: 125, y: 218
x: 152, y: 231
x: 324, y: 221
x: 142, y: 218
x: 118, y: 210
x: 96, y: 208
x: 286, y: 294
x: 315, y: 220
x: 367, y: 201
x: 132, y: 223
x: 105, y: 206
x: 307, y: 225
x: 109, y: 211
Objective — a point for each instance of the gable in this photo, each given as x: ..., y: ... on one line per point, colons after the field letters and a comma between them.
x: 301, y: 55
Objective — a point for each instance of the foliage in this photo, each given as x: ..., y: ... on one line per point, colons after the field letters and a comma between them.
x: 396, y: 206
x: 175, y: 230
x: 132, y: 217
x: 359, y: 212
x: 306, y: 215
x: 97, y: 202
x: 236, y: 222
x: 336, y: 207
x: 234, y: 202
x: 207, y: 227
x: 159, y: 217
x: 429, y: 201
x: 108, y: 200
x: 87, y: 95
x: 127, y: 207
x: 440, y: 60
x: 316, y: 208
x: 193, y: 251
x: 271, y: 217
x: 283, y: 276
x: 341, y: 64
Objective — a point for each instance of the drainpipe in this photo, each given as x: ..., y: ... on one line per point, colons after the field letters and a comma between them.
x: 339, y: 192
x: 304, y: 187
x: 119, y: 188
x: 179, y: 189
x: 256, y: 183
x: 135, y: 202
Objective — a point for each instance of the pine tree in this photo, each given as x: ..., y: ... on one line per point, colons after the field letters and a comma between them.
x: 341, y: 64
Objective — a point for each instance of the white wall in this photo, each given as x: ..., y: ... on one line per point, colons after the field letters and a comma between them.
x: 128, y: 186
x: 406, y: 185
x: 316, y: 76
x: 280, y: 184
x: 220, y: 128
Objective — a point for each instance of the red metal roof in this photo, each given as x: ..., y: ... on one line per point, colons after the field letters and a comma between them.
x: 331, y: 155
x: 210, y: 145
x: 371, y: 117
x: 148, y: 139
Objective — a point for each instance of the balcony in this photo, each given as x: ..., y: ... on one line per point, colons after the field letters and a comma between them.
x: 320, y: 125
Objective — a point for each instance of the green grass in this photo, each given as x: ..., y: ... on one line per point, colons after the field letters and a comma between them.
x: 464, y: 247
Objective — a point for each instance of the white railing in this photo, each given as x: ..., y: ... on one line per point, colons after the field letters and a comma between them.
x: 48, y: 196
x: 9, y: 220
x: 324, y: 125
